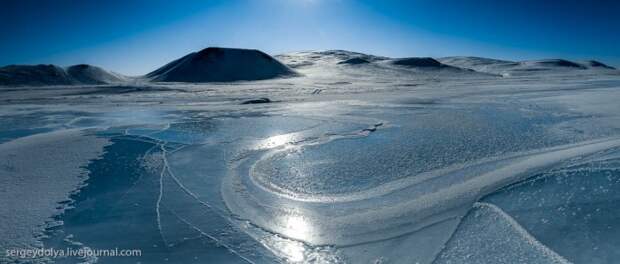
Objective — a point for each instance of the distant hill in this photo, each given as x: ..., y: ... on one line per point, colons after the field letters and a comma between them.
x: 478, y: 63
x: 221, y: 65
x: 48, y: 74
x: 525, y: 67
x: 229, y: 64
x: 341, y: 57
x: 85, y: 73
x: 597, y: 64
x: 357, y: 66
x: 424, y: 62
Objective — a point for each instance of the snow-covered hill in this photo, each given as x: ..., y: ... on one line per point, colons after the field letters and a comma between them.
x: 48, y: 74
x: 359, y: 66
x: 88, y: 74
x: 215, y: 64
x: 221, y: 65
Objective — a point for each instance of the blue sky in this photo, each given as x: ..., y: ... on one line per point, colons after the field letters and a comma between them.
x: 135, y: 37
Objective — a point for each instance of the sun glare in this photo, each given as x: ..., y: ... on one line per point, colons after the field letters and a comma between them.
x: 276, y: 141
x: 297, y: 227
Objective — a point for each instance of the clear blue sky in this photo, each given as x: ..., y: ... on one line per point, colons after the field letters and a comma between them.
x: 135, y: 37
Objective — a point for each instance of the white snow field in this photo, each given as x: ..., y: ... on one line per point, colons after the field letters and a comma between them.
x: 315, y: 157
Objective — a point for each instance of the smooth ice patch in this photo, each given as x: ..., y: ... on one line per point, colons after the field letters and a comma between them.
x: 409, y: 142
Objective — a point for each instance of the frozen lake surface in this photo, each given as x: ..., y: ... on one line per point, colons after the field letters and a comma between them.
x: 346, y: 164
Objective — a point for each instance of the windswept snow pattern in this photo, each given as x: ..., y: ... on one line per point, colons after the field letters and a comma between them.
x: 356, y: 159
x: 36, y: 177
x: 489, y: 235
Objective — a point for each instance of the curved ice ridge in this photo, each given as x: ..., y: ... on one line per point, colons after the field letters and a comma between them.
x: 391, y: 209
x: 455, y: 170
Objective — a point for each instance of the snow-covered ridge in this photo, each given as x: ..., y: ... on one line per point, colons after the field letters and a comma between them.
x: 528, y: 67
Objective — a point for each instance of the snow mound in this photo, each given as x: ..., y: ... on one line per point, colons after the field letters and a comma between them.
x: 49, y: 74
x: 88, y: 74
x: 221, y: 65
x: 42, y: 74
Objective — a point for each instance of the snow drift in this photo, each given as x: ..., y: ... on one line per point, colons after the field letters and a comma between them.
x: 221, y: 65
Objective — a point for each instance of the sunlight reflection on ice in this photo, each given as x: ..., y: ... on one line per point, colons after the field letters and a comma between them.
x: 277, y: 141
x: 297, y: 228
x: 294, y: 251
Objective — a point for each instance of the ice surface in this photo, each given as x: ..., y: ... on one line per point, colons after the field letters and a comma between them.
x: 421, y: 141
x: 350, y: 163
x: 410, y: 204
